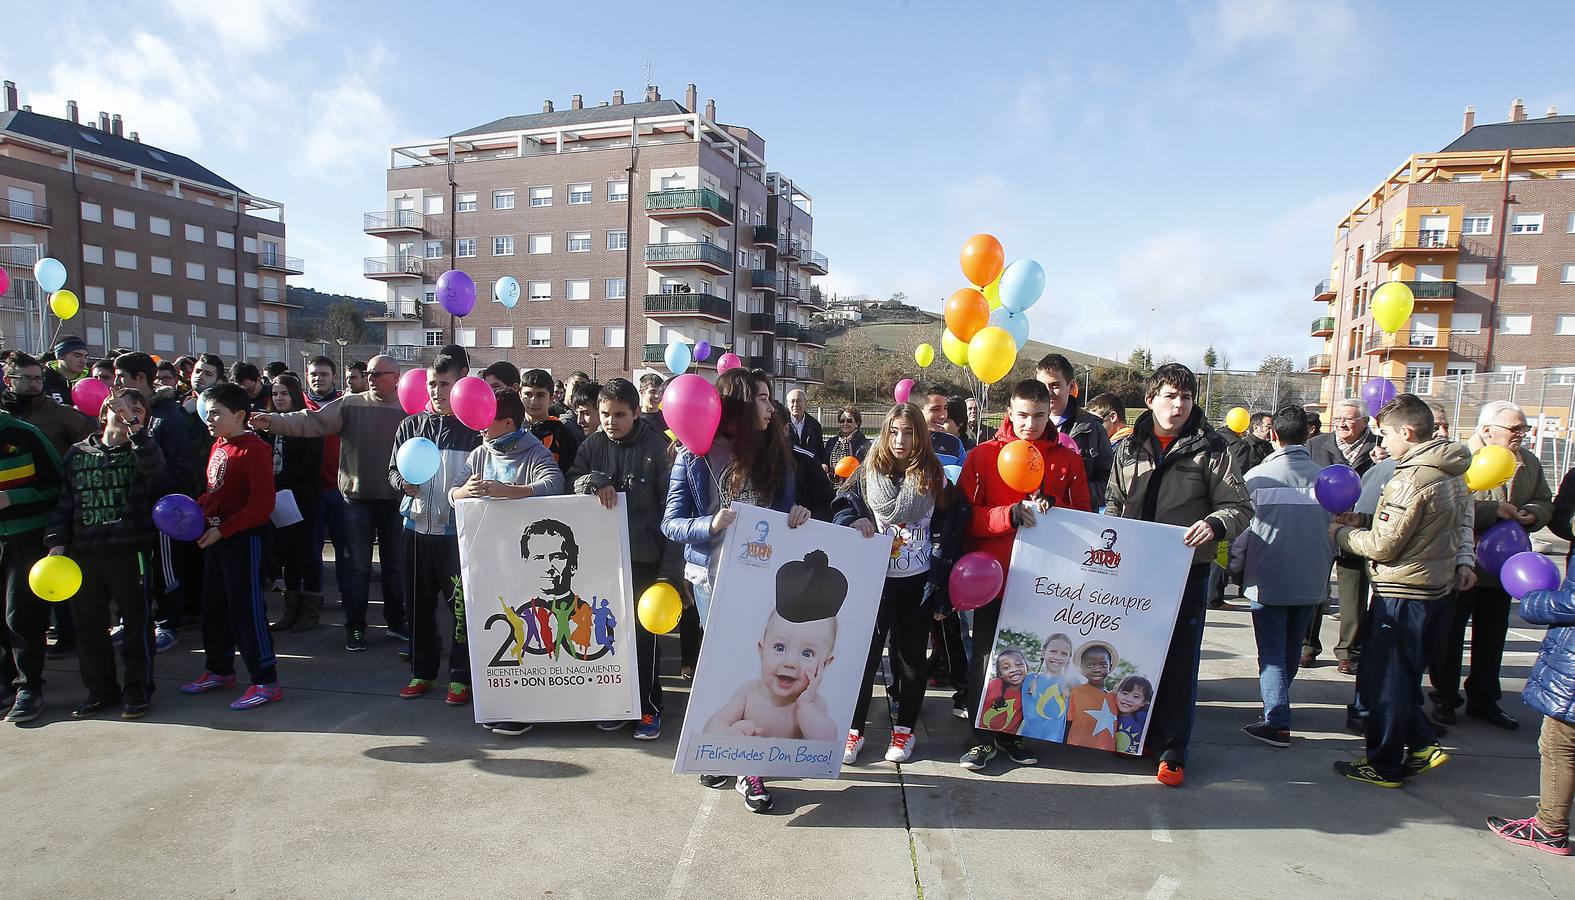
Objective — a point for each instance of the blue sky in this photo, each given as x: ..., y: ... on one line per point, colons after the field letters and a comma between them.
x: 1191, y: 157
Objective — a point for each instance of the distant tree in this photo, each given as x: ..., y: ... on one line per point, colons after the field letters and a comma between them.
x: 1141, y: 359
x: 899, y: 297
x: 1272, y: 364
x: 343, y: 322
x: 1210, y: 358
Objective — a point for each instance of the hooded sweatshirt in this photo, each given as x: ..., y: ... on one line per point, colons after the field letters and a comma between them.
x: 514, y: 458
x: 1065, y: 485
x: 430, y: 511
x: 62, y: 425
x: 109, y: 495
x: 29, y: 475
x: 240, y: 490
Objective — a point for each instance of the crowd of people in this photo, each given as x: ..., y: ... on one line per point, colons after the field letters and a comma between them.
x: 247, y: 443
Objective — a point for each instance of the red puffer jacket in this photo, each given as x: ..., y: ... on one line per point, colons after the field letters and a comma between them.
x: 1065, y: 485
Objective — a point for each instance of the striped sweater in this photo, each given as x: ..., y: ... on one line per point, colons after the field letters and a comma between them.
x: 29, y: 476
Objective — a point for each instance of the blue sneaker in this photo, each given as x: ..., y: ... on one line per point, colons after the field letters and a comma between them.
x: 649, y: 727
x: 163, y: 639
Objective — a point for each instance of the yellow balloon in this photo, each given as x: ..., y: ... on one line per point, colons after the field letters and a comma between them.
x: 954, y: 348
x: 659, y: 608
x: 924, y: 354
x: 992, y: 293
x: 1490, y: 467
x: 1238, y: 419
x: 55, y: 578
x: 64, y: 304
x: 992, y: 353
x: 1392, y: 305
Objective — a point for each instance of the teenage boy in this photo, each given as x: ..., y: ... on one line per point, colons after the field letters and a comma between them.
x: 948, y: 447
x: 330, y: 521
x: 29, y: 486
x: 430, y: 544
x: 502, y: 376
x: 1175, y: 469
x: 68, y: 367
x: 583, y: 406
x: 628, y: 457
x: 1417, y: 553
x: 1055, y: 372
x: 651, y: 385
x: 536, y: 387
x: 1113, y: 413
x: 358, y: 378
x: 998, y: 511
x: 250, y: 379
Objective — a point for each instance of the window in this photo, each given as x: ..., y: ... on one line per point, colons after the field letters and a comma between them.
x: 541, y: 196
x: 617, y: 288
x: 465, y: 247
x: 618, y: 240
x: 1514, y: 324
x: 538, y: 337
x: 163, y: 304
x: 464, y: 203
x: 1567, y: 276
x: 1465, y: 323
x: 576, y: 336
x: 577, y: 289
x: 541, y: 243
x: 92, y: 253
x: 1464, y: 371
x: 125, y: 259
x: 1471, y: 273
x: 1525, y: 223
x: 579, y: 242
x: 160, y: 265
x: 503, y: 246
x: 743, y: 259
x: 194, y: 233
x: 1476, y: 225
x: 225, y: 239
x: 1510, y: 374
x: 429, y: 296
x: 1520, y: 274
x: 617, y: 191
x: 1468, y: 177
x: 102, y: 176
x: 163, y: 343
x: 196, y: 271
x: 227, y: 312
x: 249, y: 279
x: 92, y: 212
x: 502, y: 199
x: 433, y: 250
x: 197, y: 309
x: 226, y: 276
x: 1570, y: 226
x: 95, y: 295
x: 612, y: 336
x: 432, y: 206
x: 126, y: 299
x: 539, y: 290
x: 125, y: 218
x: 434, y: 337
x: 123, y: 337
x: 249, y: 244
x: 502, y: 337
x: 251, y: 316
x: 465, y: 337
x: 579, y: 193
x: 226, y: 347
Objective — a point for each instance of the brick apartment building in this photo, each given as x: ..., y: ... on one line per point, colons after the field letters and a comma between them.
x: 1483, y: 231
x: 626, y: 224
x: 167, y: 256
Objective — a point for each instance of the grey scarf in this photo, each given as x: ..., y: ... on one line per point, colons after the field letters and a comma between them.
x: 895, y: 500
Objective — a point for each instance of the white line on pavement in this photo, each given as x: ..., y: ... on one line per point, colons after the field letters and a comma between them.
x: 1163, y: 889
x: 675, y: 888
x: 1159, y: 830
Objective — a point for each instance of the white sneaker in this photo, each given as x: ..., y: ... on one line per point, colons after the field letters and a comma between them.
x: 850, y: 750
x: 901, y: 749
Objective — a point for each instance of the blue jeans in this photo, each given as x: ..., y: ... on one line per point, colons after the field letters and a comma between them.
x: 331, y: 522
x: 1279, y: 631
x: 365, y: 519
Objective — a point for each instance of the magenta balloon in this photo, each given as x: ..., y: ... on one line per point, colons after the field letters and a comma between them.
x: 975, y: 580
x: 5, y: 281
x: 473, y: 402
x: 728, y: 361
x: 692, y: 409
x: 1499, y: 542
x: 1338, y: 488
x: 457, y: 292
x: 88, y: 395
x: 413, y: 391
x: 1067, y: 441
x: 903, y: 390
x: 1527, y: 572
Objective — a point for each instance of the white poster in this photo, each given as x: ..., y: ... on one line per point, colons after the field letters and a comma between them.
x: 789, y: 632
x: 1085, y: 625
x: 549, y: 609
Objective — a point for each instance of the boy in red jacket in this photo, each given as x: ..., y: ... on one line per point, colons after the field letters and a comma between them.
x: 237, y: 504
x: 998, y: 511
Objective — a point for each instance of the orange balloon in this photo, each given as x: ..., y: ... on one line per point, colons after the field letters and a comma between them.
x: 1021, y: 466
x: 966, y: 312
x: 982, y: 259
x: 846, y: 466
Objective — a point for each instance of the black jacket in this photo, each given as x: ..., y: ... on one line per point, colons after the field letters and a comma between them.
x: 558, y: 437
x: 812, y: 439
x: 637, y: 467
x: 298, y: 468
x: 108, y: 496
x: 1249, y: 452
x: 948, y: 535
x: 810, y: 484
x: 167, y: 425
x: 1564, y: 510
x: 1093, y: 444
x: 855, y: 446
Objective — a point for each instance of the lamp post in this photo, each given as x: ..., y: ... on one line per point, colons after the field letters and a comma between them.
x: 593, y: 365
x: 341, y: 342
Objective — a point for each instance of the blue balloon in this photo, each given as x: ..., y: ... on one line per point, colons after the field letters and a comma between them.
x: 202, y: 409
x: 953, y: 473
x: 50, y: 274
x: 507, y: 291
x: 1021, y: 284
x: 1015, y: 323
x: 417, y: 460
x: 678, y: 357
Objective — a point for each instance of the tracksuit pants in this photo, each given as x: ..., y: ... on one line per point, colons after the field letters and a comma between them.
x: 234, y: 616
x: 118, y: 576
x: 431, y: 565
x: 1391, y: 679
x: 26, y: 616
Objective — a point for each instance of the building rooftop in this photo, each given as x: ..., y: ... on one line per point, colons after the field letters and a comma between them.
x: 1550, y: 131
x: 571, y: 117
x: 65, y: 133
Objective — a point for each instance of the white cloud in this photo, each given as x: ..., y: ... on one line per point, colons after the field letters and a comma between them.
x: 1311, y: 37
x: 242, y: 26
x: 159, y: 90
x: 348, y: 129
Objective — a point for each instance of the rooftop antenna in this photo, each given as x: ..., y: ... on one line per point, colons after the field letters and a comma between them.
x: 647, y: 67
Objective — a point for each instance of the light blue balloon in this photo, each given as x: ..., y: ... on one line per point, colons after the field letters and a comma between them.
x: 417, y: 460
x: 1021, y: 284
x: 953, y: 473
x: 202, y: 408
x: 50, y: 274
x: 1015, y: 323
x: 679, y: 356
x: 507, y: 291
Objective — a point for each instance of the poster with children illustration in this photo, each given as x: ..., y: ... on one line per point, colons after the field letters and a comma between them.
x: 1086, y: 617
x: 789, y: 631
x: 548, y: 609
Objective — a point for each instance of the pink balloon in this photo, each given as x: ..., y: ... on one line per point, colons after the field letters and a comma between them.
x: 413, y: 391
x: 473, y: 402
x: 5, y: 281
x: 1067, y: 441
x: 728, y: 361
x: 88, y: 395
x: 903, y: 390
x: 693, y: 410
x: 975, y: 580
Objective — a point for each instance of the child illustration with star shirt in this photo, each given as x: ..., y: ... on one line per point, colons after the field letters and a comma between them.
x: 1091, y: 716
x: 795, y: 650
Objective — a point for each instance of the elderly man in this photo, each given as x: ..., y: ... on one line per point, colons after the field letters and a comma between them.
x: 805, y: 428
x: 1351, y: 443
x: 365, y: 424
x: 1525, y: 499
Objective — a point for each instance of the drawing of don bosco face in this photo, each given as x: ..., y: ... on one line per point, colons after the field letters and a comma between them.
x: 1109, y: 537
x: 551, y: 557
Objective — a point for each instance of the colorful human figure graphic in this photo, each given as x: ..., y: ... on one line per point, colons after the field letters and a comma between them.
x: 605, y: 623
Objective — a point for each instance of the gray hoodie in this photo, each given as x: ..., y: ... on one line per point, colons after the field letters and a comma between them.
x: 1286, y: 548
x: 515, y: 458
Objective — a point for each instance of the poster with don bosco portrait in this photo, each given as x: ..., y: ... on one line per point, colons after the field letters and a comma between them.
x: 785, y: 645
x: 548, y: 609
x: 1086, y: 618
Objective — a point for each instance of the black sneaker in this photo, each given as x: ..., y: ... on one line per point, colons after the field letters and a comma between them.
x: 90, y: 709
x: 27, y: 707
x: 713, y: 781
x: 355, y: 640
x: 977, y: 757
x: 1016, y: 750
x: 1362, y: 771
x: 399, y: 632
x: 754, y: 792
x: 1274, y: 737
x: 1418, y: 761
x: 133, y: 711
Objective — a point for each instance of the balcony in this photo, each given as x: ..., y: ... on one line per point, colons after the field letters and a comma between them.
x: 1379, y: 342
x: 704, y: 203
x: 406, y: 352
x: 402, y: 310
x: 1431, y: 290
x: 760, y: 362
x: 388, y: 267
x: 1323, y: 327
x: 814, y: 374
x: 790, y: 249
x: 1466, y: 349
x: 1407, y: 243
x: 1324, y: 291
x: 1319, y: 362
x: 690, y: 254
x: 277, y: 296
x: 391, y: 221
x: 792, y: 286
x: 27, y: 213
x: 702, y: 306
x: 654, y: 353
x: 278, y: 262
x: 811, y: 336
x: 814, y: 263
x: 787, y: 331
x: 765, y: 236
x: 762, y: 323
x: 763, y: 280
x: 811, y: 298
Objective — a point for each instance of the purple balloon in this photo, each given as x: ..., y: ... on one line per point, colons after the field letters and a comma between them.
x: 1499, y: 543
x: 1338, y: 487
x: 457, y: 292
x: 702, y: 351
x: 179, y: 516
x: 1527, y: 572
x: 1377, y: 392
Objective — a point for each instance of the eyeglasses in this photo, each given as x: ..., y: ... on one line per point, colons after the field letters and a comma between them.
x: 1349, y: 419
x: 26, y: 379
x: 845, y: 421
x: 380, y: 374
x: 1516, y: 429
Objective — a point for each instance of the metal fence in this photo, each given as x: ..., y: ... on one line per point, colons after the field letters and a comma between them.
x: 1222, y: 389
x: 1546, y: 396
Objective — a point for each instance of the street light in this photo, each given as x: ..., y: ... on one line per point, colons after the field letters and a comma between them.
x: 1148, y: 337
x: 593, y: 365
x: 341, y: 342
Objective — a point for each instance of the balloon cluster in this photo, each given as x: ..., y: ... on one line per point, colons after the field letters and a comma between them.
x: 51, y: 277
x: 987, y: 324
x: 1505, y: 548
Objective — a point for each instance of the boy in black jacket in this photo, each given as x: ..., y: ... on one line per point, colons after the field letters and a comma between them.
x: 105, y: 519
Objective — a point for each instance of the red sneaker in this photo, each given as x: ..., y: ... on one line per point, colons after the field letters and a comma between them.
x: 415, y: 688
x: 1170, y: 774
x: 458, y: 694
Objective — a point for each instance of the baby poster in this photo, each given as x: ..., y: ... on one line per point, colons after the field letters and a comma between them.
x: 1085, y: 624
x: 549, y: 609
x: 789, y: 632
